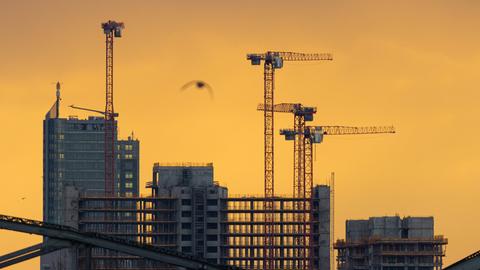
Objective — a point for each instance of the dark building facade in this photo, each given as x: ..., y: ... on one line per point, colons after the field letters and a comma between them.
x: 128, y: 167
x: 189, y: 212
x: 73, y: 166
x: 391, y: 243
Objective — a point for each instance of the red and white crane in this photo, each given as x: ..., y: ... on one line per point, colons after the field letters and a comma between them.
x: 112, y: 30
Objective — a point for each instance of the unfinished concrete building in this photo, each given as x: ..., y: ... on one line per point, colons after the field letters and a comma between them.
x: 391, y: 243
x: 243, y: 231
x: 191, y: 213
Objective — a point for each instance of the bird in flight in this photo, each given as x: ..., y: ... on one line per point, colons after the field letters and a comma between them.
x: 199, y: 85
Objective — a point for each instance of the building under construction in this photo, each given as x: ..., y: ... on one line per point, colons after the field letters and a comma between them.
x: 391, y: 243
x: 191, y: 213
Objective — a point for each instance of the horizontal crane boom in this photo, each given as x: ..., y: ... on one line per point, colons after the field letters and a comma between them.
x: 290, y: 56
x: 289, y: 108
x: 90, y: 110
x: 346, y: 130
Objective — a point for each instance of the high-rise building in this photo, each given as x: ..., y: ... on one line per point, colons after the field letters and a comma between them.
x: 198, y: 205
x: 73, y: 166
x: 128, y: 167
x: 391, y: 243
x: 184, y: 213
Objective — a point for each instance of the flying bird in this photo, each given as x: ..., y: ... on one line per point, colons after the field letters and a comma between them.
x: 198, y: 85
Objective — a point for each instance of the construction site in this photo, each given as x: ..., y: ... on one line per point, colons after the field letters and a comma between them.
x: 189, y: 212
x: 391, y: 243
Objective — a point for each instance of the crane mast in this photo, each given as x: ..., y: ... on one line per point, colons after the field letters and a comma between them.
x: 111, y: 29
x: 301, y: 115
x: 272, y: 61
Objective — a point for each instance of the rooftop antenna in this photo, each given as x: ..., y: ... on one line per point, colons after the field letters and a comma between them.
x: 57, y: 104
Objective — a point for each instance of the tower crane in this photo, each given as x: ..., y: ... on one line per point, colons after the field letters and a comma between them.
x: 273, y: 60
x: 111, y: 29
x: 314, y: 135
x: 301, y: 114
x: 90, y: 110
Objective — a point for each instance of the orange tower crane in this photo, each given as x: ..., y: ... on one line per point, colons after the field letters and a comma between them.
x: 112, y: 30
x: 314, y: 135
x: 301, y: 114
x: 272, y: 61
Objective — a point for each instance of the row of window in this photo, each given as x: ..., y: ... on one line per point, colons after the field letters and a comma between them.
x: 210, y: 214
x: 127, y: 185
x: 209, y: 249
x: 210, y: 237
x: 210, y: 202
x: 188, y: 226
x: 126, y: 156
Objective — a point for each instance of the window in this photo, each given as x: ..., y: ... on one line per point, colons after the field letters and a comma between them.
x: 186, y: 202
x: 212, y: 237
x: 187, y: 249
x: 129, y: 147
x: 186, y: 226
x: 128, y: 194
x: 128, y: 156
x: 211, y: 249
x: 212, y: 202
x: 129, y: 185
x: 61, y: 156
x: 128, y: 175
x: 186, y: 213
x: 212, y: 226
x: 212, y: 214
x: 186, y: 237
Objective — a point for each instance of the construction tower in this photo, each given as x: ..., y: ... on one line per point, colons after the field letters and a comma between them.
x: 112, y: 30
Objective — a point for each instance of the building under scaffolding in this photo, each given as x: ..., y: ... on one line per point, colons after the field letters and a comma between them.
x: 243, y: 231
x: 391, y: 243
x: 189, y: 212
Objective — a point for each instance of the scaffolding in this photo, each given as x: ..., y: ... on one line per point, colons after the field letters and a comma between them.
x: 158, y: 221
x: 145, y: 220
x: 391, y: 253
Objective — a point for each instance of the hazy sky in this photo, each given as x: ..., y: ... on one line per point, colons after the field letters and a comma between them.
x: 412, y: 64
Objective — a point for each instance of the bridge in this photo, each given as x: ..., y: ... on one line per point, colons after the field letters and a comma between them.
x: 60, y: 237
x: 471, y: 262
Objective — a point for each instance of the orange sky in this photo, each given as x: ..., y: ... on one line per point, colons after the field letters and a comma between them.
x: 408, y: 63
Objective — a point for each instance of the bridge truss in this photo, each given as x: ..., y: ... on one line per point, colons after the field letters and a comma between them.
x: 60, y: 237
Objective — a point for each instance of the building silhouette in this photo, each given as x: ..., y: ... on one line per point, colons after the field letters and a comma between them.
x: 391, y: 243
x: 73, y: 166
